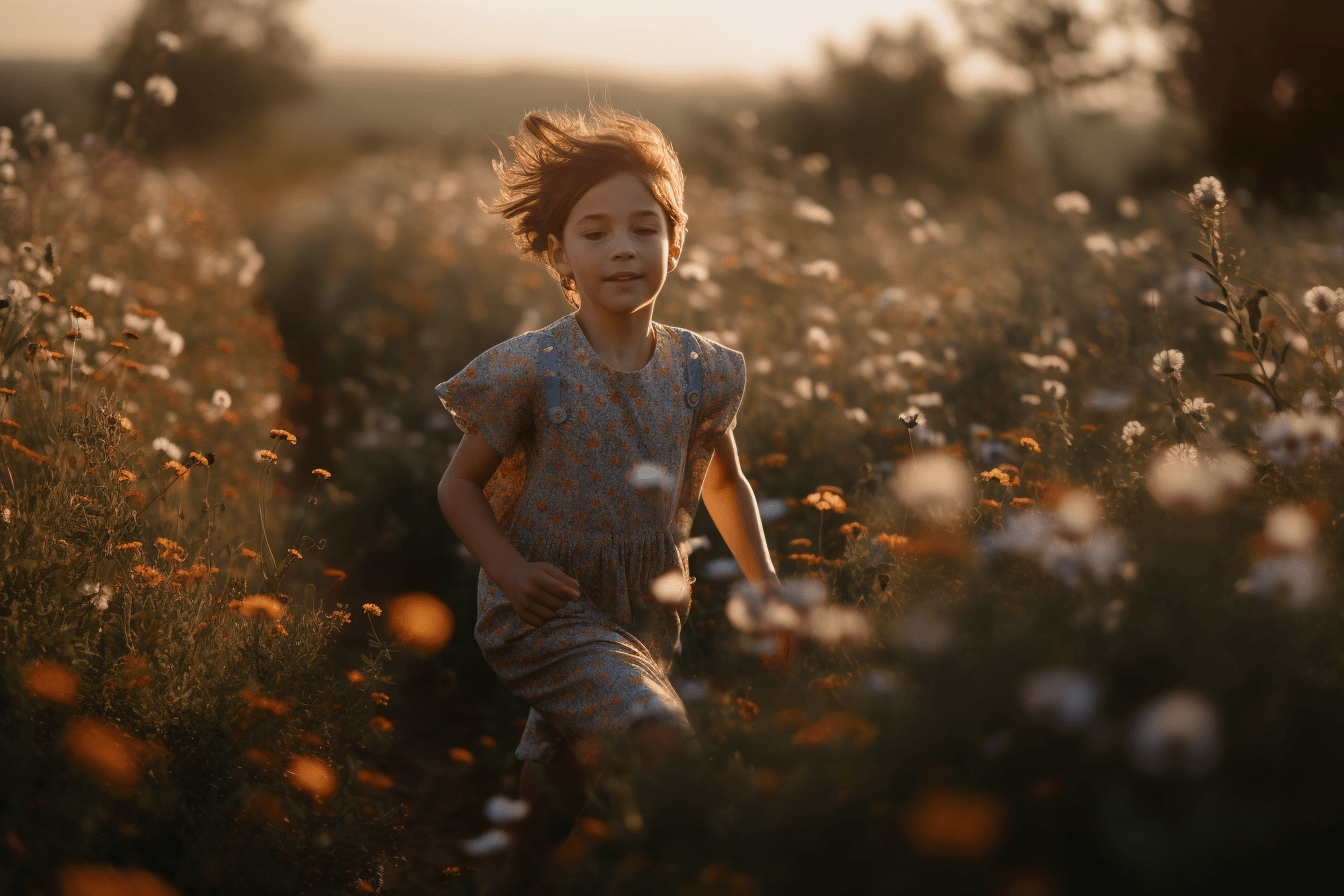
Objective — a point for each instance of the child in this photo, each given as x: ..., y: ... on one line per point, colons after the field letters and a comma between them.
x: 587, y: 445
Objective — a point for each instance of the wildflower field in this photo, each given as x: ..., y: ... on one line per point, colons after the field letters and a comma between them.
x: 1053, y: 486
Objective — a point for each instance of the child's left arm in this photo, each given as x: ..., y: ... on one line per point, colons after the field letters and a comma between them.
x: 732, y: 505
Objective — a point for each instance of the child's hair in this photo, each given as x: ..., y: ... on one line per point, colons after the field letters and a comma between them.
x: 560, y: 156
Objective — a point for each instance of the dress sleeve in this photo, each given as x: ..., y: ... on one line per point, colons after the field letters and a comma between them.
x: 724, y: 379
x: 493, y: 395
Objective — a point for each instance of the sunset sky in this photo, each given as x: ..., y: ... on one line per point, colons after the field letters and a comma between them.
x: 695, y: 38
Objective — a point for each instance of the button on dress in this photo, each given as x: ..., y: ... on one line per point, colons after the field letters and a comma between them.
x: 563, y: 494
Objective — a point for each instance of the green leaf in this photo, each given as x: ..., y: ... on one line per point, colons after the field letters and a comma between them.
x: 1243, y: 378
x: 1219, y: 305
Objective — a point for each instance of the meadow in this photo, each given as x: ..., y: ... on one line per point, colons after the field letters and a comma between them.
x: 1052, y: 484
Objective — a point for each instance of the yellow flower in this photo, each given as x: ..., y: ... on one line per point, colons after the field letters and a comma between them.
x: 249, y: 554
x: 175, y: 467
x: 295, y: 554
x: 373, y: 609
x: 78, y: 312
x: 289, y: 437
x: 199, y: 458
x: 1031, y: 444
x: 269, y: 456
x: 379, y: 697
x: 321, y: 473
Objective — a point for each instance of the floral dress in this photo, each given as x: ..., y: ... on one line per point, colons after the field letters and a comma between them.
x: 571, y: 430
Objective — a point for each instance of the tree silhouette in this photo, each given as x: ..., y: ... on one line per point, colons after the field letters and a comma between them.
x: 229, y: 62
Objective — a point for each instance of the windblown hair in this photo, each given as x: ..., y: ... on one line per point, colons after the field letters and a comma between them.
x: 560, y: 156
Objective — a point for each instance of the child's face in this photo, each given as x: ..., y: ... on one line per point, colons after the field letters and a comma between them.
x: 616, y: 245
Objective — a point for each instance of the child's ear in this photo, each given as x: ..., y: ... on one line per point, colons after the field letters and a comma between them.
x: 555, y: 252
x: 673, y: 253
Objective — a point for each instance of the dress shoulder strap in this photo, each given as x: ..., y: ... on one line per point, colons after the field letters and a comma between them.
x: 547, y: 355
x: 690, y: 350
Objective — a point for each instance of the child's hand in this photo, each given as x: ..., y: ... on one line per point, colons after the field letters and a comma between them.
x: 537, y: 590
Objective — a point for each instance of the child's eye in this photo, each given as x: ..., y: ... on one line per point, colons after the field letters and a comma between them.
x: 646, y: 231
x: 595, y: 235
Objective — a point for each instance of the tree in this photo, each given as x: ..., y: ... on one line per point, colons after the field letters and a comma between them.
x: 193, y: 73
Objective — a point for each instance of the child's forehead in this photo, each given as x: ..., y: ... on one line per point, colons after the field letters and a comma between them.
x: 621, y: 194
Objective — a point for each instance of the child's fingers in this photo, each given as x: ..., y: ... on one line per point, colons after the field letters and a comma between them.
x: 569, y: 585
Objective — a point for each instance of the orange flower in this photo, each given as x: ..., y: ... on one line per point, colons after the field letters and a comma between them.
x: 264, y: 703
x: 260, y: 758
x: 248, y: 553
x: 1030, y: 444
x: 421, y: 621
x: 128, y: 546
x: 51, y: 681
x: 457, y: 754
x: 336, y: 574
x: 295, y: 554
x: 79, y: 313
x: 199, y: 458
x: 834, y: 725
x: 379, y: 723
x: 773, y: 461
x: 312, y: 775
x: 1022, y: 502
x: 321, y: 473
x: 109, y: 755
x: 265, y: 455
x: 373, y: 609
x: 147, y: 574
x: 175, y: 467
x: 355, y: 676
x: 379, y: 697
x: 279, y: 434
x: 106, y: 880
x: 258, y: 603
x: 375, y: 779
x: 960, y: 824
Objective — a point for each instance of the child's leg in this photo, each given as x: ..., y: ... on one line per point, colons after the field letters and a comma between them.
x: 556, y: 792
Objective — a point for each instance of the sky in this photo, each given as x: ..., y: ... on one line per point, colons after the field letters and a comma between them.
x: 692, y: 39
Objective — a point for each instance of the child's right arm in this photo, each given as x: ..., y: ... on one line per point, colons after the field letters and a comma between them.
x: 534, y: 590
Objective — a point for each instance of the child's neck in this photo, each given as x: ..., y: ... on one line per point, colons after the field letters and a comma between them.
x: 623, y: 341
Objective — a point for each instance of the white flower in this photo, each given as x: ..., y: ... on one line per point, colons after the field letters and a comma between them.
x: 1323, y: 300
x: 721, y: 569
x: 221, y: 400
x: 1131, y: 431
x: 936, y: 486
x: 1152, y: 298
x: 1078, y: 513
x: 1297, y: 578
x: 162, y: 89
x: 822, y: 267
x: 914, y: 209
x: 1054, y: 388
x: 650, y: 477
x: 772, y: 510
x: 1197, y: 408
x: 912, y: 417
x: 670, y: 588
x: 169, y: 41
x: 1290, y: 527
x: 817, y: 340
x: 805, y: 209
x: 493, y: 840
x: 1073, y: 203
x: 1168, y: 363
x: 925, y: 634
x: 1208, y: 193
x: 122, y: 91
x: 500, y: 810
x: 167, y: 447
x: 831, y: 625
x: 1177, y: 731
x: 1292, y: 437
x: 1054, y: 362
x: 1101, y: 244
x: 1128, y: 207
x: 98, y: 594
x: 910, y: 358
x: 925, y: 399
x: 1183, y: 477
x: 1066, y: 697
